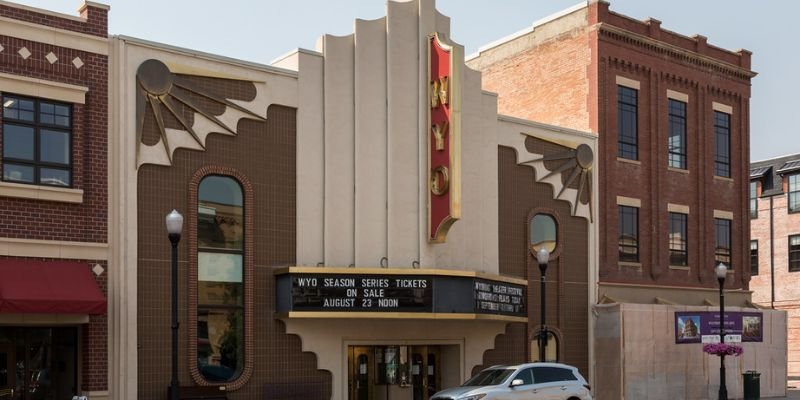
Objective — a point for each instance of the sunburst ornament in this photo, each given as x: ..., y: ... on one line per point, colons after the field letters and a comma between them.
x: 161, y: 92
x: 563, y: 169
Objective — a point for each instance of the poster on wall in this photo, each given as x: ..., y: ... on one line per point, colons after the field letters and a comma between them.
x: 690, y: 327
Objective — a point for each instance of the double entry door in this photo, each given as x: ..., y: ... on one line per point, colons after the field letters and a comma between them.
x: 393, y: 372
x: 38, y: 363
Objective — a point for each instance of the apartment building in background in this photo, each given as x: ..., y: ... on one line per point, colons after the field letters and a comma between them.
x: 774, y: 198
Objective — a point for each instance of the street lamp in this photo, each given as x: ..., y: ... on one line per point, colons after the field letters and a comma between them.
x: 543, y: 256
x: 722, y: 271
x: 174, y: 222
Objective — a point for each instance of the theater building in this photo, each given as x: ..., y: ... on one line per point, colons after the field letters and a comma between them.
x: 360, y: 221
x: 53, y: 202
x: 671, y: 114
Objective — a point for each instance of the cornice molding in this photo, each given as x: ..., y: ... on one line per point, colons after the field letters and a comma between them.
x: 689, y: 56
x: 53, y: 36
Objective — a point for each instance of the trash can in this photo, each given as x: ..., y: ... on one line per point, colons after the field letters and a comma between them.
x: 752, y: 385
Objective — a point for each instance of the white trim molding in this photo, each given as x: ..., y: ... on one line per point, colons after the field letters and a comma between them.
x: 38, y: 192
x: 52, y: 90
x: 678, y: 208
x: 627, y: 82
x: 723, y: 214
x: 54, y: 36
x: 675, y: 95
x: 14, y: 247
x: 721, y: 107
x: 629, y: 201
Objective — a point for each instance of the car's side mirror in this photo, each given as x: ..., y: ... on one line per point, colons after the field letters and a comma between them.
x: 516, y: 382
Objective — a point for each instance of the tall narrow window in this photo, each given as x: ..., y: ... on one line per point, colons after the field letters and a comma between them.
x: 722, y: 252
x: 220, y: 275
x: 754, y: 257
x: 794, y: 193
x: 628, y: 234
x: 37, y: 136
x: 544, y: 233
x: 722, y: 134
x: 677, y: 134
x: 753, y: 199
x: 794, y: 253
x: 627, y: 120
x: 678, y: 243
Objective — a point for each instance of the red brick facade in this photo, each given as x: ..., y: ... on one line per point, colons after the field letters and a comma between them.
x: 34, y: 219
x: 774, y: 285
x: 570, y: 79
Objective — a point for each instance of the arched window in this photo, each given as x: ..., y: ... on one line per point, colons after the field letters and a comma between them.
x: 544, y: 233
x: 220, y: 279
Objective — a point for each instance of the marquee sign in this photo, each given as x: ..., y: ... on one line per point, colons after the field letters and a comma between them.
x: 444, y: 137
x: 387, y: 292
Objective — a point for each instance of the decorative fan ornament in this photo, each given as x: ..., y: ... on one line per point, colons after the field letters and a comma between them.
x: 159, y: 91
x: 562, y: 170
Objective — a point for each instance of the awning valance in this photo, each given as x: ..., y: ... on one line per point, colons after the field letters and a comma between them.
x: 51, y: 287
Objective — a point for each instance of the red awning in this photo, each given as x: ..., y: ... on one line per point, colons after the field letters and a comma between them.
x: 49, y: 287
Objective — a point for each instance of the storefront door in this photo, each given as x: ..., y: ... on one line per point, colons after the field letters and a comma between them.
x: 38, y: 363
x: 393, y: 372
x: 6, y: 371
x: 425, y: 368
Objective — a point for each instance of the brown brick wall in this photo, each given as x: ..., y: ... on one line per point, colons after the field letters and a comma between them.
x: 567, y: 274
x: 264, y: 152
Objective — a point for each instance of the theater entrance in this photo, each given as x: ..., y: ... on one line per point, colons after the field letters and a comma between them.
x: 402, y: 372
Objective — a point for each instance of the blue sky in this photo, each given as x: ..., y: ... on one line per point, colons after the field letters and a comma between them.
x: 260, y: 31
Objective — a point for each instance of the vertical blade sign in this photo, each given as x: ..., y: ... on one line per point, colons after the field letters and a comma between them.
x: 444, y: 158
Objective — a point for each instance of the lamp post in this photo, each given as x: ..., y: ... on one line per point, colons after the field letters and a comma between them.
x: 722, y: 271
x: 542, y: 256
x: 174, y: 222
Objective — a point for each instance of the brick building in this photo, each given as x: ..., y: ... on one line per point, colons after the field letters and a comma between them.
x: 775, y: 242
x: 53, y: 202
x: 671, y: 114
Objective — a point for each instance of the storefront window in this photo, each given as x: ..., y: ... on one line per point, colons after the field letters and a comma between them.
x: 220, y: 273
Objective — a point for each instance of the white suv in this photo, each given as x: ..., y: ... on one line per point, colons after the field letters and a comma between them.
x: 539, y: 381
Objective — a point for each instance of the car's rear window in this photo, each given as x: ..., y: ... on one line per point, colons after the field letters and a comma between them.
x: 489, y: 377
x: 552, y: 374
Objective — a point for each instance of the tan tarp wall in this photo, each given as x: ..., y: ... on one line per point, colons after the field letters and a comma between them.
x: 637, y: 357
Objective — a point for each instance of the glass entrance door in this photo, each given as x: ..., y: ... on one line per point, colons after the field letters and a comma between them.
x: 425, y: 371
x: 361, y: 365
x: 38, y: 363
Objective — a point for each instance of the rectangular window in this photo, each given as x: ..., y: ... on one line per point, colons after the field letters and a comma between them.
x: 628, y: 234
x: 677, y: 134
x: 794, y: 253
x: 722, y: 252
x: 722, y: 134
x: 754, y: 257
x: 753, y: 199
x: 794, y: 193
x: 678, y: 243
x: 37, y: 141
x: 627, y: 120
